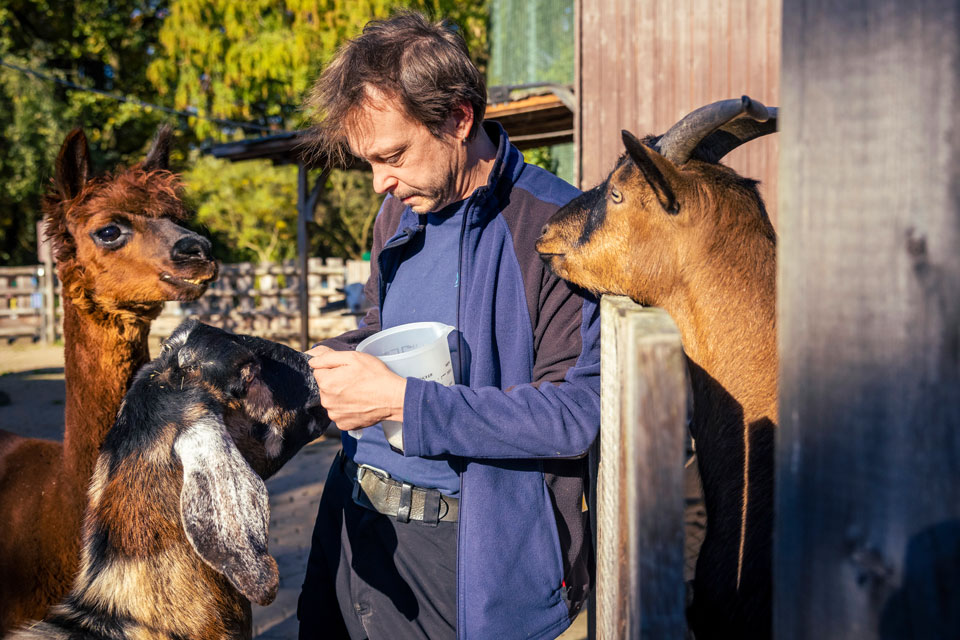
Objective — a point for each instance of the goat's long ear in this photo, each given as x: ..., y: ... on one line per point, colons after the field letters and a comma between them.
x: 73, y: 165
x: 659, y: 172
x: 224, y: 509
x: 159, y: 155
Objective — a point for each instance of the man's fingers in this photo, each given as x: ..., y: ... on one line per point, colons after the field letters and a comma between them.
x: 329, y: 358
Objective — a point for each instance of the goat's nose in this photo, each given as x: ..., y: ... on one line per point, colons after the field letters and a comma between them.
x: 191, y: 247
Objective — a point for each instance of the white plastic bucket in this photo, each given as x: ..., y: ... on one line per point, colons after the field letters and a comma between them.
x: 413, y: 350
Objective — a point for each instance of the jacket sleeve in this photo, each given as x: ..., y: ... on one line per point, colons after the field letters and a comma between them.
x: 557, y: 415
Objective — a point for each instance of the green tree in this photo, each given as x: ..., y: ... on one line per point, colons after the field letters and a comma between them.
x: 248, y: 207
x: 98, y: 44
x: 254, y: 60
x: 247, y: 60
x: 345, y: 215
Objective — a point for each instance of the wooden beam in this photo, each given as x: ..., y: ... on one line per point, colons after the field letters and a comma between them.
x: 640, y: 489
x: 868, y: 468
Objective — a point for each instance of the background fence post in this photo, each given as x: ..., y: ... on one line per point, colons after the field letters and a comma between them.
x: 868, y: 461
x: 640, y: 587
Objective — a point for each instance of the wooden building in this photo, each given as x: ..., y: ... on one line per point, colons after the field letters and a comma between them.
x: 643, y: 65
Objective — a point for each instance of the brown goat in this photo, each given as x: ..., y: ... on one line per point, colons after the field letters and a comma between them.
x: 175, y: 532
x: 672, y: 228
x: 120, y: 255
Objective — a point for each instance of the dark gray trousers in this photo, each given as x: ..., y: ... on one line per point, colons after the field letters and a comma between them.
x: 371, y: 577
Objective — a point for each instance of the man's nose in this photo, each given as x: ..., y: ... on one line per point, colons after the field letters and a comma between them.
x: 383, y: 180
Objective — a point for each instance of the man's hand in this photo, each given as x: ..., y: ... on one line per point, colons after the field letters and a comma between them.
x: 356, y: 389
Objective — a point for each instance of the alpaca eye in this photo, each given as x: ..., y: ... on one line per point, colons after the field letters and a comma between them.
x: 108, y: 235
x: 615, y: 196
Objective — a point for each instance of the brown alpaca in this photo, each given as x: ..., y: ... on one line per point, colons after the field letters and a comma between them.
x: 672, y: 228
x: 120, y: 255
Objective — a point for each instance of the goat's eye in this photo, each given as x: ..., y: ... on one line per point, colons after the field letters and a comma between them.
x: 615, y: 196
x: 109, y: 235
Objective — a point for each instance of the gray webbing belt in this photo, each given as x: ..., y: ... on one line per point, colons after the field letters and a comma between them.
x: 375, y: 489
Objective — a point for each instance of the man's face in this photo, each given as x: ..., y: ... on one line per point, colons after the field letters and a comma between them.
x: 410, y: 163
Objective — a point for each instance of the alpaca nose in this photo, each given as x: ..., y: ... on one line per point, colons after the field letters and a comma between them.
x: 189, y: 248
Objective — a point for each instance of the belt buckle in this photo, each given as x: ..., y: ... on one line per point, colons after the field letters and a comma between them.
x: 362, y: 469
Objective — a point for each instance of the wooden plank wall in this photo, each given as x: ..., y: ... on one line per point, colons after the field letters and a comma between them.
x: 868, y: 473
x: 644, y: 64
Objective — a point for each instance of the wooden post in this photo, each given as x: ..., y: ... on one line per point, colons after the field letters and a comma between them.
x: 306, y: 203
x: 640, y: 588
x: 868, y: 457
x: 49, y: 311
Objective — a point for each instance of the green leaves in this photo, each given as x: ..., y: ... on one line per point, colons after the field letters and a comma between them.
x: 101, y: 44
x: 254, y: 60
x: 250, y: 207
x: 244, y: 60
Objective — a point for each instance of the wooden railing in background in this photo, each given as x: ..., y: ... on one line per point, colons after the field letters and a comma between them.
x: 23, y: 302
x: 645, y: 403
x: 246, y: 298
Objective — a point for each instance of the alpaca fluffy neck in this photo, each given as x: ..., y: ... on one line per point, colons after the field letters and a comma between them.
x: 102, y: 352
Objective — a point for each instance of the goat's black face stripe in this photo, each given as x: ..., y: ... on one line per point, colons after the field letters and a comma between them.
x: 593, y: 204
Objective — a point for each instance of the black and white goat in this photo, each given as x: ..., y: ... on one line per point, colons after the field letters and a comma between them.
x: 175, y: 531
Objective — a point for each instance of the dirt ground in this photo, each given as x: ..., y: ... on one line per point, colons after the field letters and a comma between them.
x: 31, y: 403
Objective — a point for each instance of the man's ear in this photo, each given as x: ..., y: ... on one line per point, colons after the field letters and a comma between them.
x: 462, y: 116
x: 659, y: 172
x: 224, y: 509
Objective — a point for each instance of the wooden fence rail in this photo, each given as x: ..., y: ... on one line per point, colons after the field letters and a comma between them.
x: 246, y: 298
x: 640, y: 488
x: 22, y: 302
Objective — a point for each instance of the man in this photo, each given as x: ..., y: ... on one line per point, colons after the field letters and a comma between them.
x: 476, y: 528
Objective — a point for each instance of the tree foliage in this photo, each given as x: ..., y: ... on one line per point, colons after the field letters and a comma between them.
x: 99, y: 44
x: 244, y: 60
x: 345, y: 215
x: 254, y: 60
x: 249, y: 207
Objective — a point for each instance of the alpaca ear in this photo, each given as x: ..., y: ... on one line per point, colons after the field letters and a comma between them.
x: 73, y: 165
x: 159, y: 155
x: 659, y: 172
x: 224, y: 509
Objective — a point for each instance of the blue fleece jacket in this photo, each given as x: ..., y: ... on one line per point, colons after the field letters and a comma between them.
x: 519, y: 430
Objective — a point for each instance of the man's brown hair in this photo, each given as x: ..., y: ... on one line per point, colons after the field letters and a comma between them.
x: 425, y: 66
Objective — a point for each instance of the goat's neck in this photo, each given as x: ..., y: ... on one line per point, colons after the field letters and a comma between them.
x: 727, y: 322
x: 101, y: 353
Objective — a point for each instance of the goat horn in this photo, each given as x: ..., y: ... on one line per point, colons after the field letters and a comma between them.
x: 714, y: 130
x: 733, y: 134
